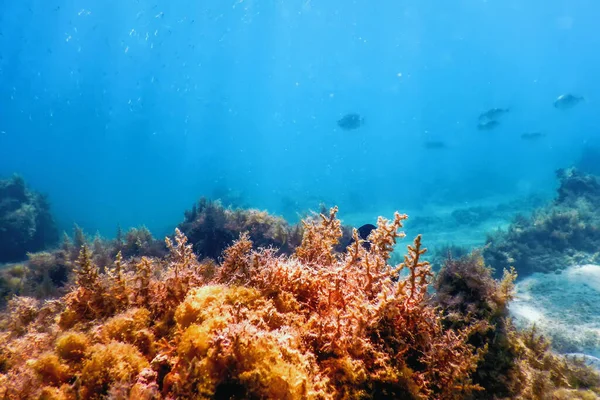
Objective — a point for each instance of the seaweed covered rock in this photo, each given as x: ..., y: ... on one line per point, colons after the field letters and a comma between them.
x: 211, y: 228
x: 42, y: 275
x: 26, y: 224
x: 563, y: 233
x: 516, y: 364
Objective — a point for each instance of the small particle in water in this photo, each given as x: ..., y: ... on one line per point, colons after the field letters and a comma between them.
x: 399, y: 75
x: 127, y: 49
x: 159, y: 15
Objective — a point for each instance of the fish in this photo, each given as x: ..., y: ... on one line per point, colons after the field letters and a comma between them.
x: 566, y: 101
x: 487, y: 125
x: 365, y: 230
x: 492, y: 114
x: 435, y: 145
x: 351, y: 121
x: 363, y: 233
x: 532, y: 135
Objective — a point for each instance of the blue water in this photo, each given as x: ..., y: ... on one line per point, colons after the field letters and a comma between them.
x: 126, y: 112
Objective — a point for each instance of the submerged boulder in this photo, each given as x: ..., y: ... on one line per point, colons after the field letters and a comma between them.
x: 26, y: 224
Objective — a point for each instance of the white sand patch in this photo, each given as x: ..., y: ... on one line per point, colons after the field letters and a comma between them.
x: 587, y: 275
x: 527, y: 312
x: 564, y: 306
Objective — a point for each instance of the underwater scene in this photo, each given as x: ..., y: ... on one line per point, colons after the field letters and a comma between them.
x: 299, y: 199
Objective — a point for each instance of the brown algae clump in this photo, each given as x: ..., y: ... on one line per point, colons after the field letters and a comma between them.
x: 109, y: 364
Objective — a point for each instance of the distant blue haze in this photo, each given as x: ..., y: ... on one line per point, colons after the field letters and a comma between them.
x: 128, y: 111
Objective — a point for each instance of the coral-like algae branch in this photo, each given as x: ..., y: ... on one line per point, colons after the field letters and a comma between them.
x: 313, y: 324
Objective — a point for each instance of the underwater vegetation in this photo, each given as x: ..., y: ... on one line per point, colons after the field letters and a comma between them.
x: 211, y: 228
x: 516, y: 364
x: 317, y: 323
x: 47, y: 274
x: 439, y: 256
x: 562, y: 233
x: 26, y: 224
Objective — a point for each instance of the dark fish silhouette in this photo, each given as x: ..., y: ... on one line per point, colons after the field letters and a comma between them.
x: 492, y: 114
x: 566, y: 101
x: 363, y: 233
x: 435, y: 145
x: 365, y: 230
x: 487, y: 125
x: 351, y: 121
x: 532, y: 135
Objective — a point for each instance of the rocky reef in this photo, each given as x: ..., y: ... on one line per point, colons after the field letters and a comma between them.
x: 211, y: 228
x: 26, y: 224
x: 316, y: 323
x: 562, y: 233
